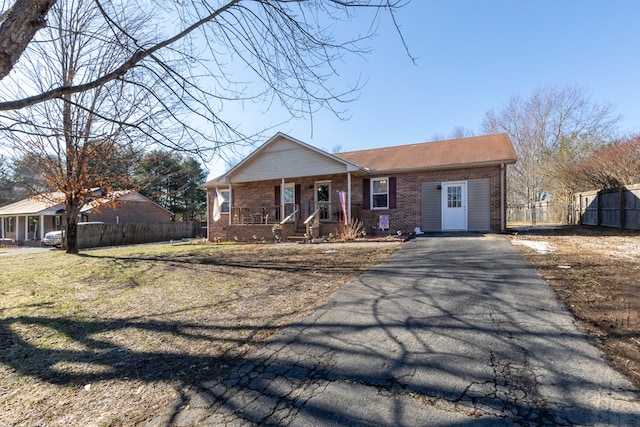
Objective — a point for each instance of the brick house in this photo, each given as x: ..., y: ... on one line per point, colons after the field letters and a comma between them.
x: 454, y: 185
x: 31, y: 218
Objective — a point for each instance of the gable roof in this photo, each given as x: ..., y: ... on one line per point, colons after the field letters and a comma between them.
x: 284, y: 157
x: 45, y: 204
x: 454, y: 153
x: 53, y: 203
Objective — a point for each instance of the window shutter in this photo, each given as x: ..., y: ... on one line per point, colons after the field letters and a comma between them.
x: 277, y: 198
x: 297, y: 194
x: 392, y: 193
x: 366, y: 194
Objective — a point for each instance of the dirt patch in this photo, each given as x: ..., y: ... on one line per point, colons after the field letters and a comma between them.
x: 596, y: 273
x: 116, y: 337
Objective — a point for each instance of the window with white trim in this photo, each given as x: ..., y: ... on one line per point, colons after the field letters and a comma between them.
x: 379, y: 193
x: 224, y: 208
x: 289, y: 194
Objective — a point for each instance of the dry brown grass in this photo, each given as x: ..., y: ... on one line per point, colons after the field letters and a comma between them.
x: 119, y: 336
x: 596, y: 273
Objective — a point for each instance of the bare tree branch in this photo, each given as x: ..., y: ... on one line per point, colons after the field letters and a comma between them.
x: 19, y: 24
x: 120, y: 71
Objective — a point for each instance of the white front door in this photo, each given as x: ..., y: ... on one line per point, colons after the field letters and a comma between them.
x: 454, y: 206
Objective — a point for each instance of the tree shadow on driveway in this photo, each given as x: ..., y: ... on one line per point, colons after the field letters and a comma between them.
x: 448, y: 331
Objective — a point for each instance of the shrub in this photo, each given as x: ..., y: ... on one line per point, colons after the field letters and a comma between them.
x: 350, y: 231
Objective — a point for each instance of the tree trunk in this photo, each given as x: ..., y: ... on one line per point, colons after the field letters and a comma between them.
x: 71, y: 237
x: 18, y: 27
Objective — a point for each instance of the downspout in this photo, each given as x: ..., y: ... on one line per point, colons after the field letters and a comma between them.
x: 502, y: 191
x: 349, y: 197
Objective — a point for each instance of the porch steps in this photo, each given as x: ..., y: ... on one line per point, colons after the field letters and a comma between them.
x: 296, y: 238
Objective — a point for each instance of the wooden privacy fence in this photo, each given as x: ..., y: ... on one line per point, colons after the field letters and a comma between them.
x: 619, y: 208
x: 100, y: 235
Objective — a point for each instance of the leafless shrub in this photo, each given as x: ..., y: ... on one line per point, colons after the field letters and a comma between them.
x: 613, y: 166
x: 350, y: 231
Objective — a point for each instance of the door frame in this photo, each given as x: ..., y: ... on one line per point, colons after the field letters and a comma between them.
x: 465, y: 206
x: 327, y: 204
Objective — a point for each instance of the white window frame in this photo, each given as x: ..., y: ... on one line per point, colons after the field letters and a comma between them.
x: 291, y: 186
x: 224, y: 208
x: 373, y: 180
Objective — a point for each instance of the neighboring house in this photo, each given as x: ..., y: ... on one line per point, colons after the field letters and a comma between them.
x: 457, y: 185
x: 32, y: 218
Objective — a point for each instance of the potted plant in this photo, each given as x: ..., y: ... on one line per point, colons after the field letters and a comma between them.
x: 277, y: 231
x: 315, y: 231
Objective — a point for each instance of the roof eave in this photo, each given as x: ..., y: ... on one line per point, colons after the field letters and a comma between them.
x: 441, y: 167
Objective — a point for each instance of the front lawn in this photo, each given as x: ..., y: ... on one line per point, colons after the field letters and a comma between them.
x: 120, y: 336
x: 595, y: 272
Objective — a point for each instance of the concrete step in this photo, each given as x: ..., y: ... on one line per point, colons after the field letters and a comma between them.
x: 300, y: 238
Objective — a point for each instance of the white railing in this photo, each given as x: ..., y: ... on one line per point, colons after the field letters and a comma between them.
x: 289, y: 218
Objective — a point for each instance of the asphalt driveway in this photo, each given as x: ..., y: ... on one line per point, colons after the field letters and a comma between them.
x: 450, y: 330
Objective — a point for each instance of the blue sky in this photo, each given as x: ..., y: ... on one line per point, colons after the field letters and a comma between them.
x: 472, y: 56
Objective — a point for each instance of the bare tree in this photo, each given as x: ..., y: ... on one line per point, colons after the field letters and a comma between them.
x: 551, y: 130
x: 461, y: 132
x: 108, y: 75
x: 457, y: 133
x: 74, y: 142
x: 613, y: 166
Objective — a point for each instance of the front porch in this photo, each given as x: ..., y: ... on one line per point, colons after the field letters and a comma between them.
x: 28, y: 228
x: 269, y: 215
x: 296, y: 222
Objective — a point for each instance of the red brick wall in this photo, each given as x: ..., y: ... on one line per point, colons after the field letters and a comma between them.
x: 130, y: 212
x: 405, y: 217
x: 408, y: 213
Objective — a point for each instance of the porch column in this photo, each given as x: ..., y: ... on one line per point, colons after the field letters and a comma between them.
x: 282, y: 200
x: 349, y: 197
x: 230, y: 204
x: 41, y: 227
x: 26, y: 228
x: 1, y: 227
x: 16, y: 227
